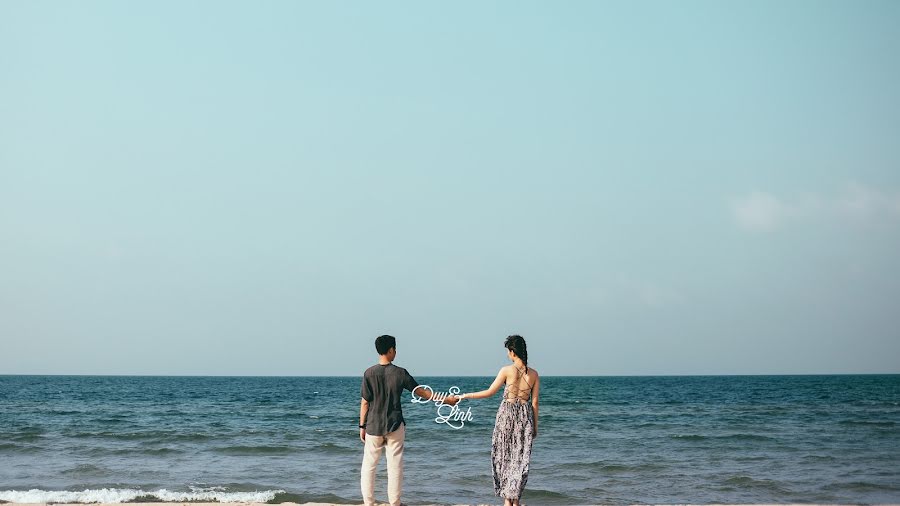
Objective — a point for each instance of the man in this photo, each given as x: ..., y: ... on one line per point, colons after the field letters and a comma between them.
x: 381, y: 423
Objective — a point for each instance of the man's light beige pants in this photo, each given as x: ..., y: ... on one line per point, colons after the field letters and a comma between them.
x: 393, y: 442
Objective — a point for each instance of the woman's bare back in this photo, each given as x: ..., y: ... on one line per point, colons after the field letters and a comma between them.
x: 519, y: 383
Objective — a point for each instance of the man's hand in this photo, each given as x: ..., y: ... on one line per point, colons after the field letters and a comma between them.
x: 362, y: 435
x: 451, y: 400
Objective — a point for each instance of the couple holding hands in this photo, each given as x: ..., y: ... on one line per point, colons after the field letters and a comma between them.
x: 382, y: 427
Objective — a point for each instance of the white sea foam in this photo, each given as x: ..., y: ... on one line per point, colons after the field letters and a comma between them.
x: 119, y: 495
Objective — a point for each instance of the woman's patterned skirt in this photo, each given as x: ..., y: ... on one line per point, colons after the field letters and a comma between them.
x: 511, y: 448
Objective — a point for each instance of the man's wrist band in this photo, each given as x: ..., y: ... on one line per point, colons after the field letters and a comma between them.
x: 363, y: 426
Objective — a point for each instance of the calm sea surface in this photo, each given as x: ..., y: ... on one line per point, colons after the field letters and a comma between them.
x: 602, y: 440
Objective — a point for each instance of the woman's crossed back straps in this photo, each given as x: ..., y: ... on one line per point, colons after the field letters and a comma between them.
x: 523, y: 375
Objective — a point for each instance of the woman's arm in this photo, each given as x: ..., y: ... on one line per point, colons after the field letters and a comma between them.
x: 499, y: 382
x: 534, y: 400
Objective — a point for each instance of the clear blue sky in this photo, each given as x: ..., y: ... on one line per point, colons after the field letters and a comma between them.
x: 265, y: 187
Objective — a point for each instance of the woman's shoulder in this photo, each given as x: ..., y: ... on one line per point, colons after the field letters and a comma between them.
x: 532, y: 370
x: 508, y: 371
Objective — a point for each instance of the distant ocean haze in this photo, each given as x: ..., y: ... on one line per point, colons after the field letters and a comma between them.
x: 602, y: 440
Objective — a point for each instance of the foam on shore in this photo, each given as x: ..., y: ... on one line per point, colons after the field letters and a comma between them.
x: 121, y: 495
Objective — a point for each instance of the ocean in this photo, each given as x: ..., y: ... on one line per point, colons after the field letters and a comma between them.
x: 602, y: 440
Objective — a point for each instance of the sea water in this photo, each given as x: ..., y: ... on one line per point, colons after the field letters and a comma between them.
x: 601, y: 440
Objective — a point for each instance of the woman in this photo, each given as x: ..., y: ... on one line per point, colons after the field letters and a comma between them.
x: 516, y: 425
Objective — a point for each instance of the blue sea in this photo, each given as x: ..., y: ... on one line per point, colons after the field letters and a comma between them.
x: 602, y: 440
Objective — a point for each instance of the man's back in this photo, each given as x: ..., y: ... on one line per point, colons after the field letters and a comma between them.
x: 382, y: 387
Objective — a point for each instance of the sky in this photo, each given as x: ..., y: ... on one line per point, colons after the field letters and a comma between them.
x: 262, y: 188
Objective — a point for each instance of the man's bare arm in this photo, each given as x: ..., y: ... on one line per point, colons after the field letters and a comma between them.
x: 363, y: 410
x: 429, y: 394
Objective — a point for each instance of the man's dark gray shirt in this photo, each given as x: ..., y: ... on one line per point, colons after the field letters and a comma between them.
x: 382, y: 387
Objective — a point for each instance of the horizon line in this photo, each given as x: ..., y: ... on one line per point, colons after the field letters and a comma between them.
x: 448, y: 376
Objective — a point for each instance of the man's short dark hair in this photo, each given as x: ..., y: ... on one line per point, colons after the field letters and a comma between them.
x: 383, y: 344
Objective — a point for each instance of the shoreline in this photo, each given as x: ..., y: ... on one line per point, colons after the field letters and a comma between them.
x: 189, y: 503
